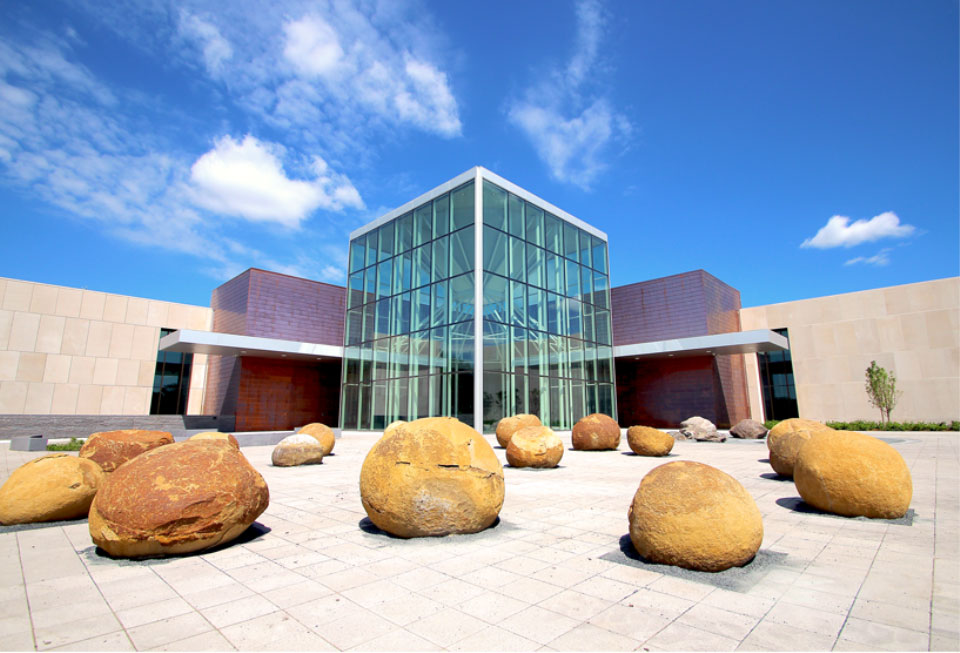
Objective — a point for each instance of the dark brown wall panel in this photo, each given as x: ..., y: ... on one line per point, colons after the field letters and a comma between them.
x: 282, y: 395
x: 289, y: 308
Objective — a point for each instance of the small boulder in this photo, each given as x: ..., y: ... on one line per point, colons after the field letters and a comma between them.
x: 794, y: 424
x: 535, y: 446
x: 50, y: 488
x: 216, y: 435
x: 297, y: 449
x: 648, y: 441
x: 749, y: 429
x: 177, y: 499
x: 700, y: 429
x: 596, y: 432
x: 783, y: 452
x: 432, y: 476
x: 507, y: 426
x: 695, y: 516
x: 853, y: 474
x: 323, y: 434
x: 110, y: 449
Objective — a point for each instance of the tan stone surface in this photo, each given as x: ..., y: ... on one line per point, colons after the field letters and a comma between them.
x: 784, y: 451
x: 176, y: 499
x: 110, y: 449
x: 52, y: 487
x: 216, y: 435
x: 297, y: 449
x: 507, y: 426
x: 694, y: 516
x: 322, y: 433
x: 791, y: 425
x: 535, y: 446
x: 393, y: 425
x: 596, y: 432
x: 433, y: 476
x: 648, y: 441
x: 853, y: 474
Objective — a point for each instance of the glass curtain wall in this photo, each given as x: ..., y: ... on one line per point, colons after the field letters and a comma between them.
x: 409, y: 330
x: 547, y: 339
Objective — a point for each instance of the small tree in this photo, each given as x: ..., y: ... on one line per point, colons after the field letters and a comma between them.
x: 882, y: 391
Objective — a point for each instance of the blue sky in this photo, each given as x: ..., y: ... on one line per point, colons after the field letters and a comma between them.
x: 792, y: 149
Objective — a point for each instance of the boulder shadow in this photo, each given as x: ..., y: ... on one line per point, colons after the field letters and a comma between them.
x: 796, y: 504
x: 763, y: 460
x: 534, y: 469
x: 773, y: 476
x: 368, y: 527
x: 254, y: 532
x: 636, y: 455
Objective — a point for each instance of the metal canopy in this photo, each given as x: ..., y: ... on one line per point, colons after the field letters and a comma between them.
x: 228, y: 344
x: 738, y: 342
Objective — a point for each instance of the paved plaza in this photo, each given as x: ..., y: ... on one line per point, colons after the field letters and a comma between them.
x: 554, y: 574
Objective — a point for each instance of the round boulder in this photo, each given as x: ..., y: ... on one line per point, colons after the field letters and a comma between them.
x: 432, y: 476
x: 701, y: 430
x: 297, y: 449
x: 784, y: 450
x: 507, y: 426
x: 648, y: 441
x: 52, y: 487
x: 216, y: 435
x: 749, y: 429
x: 110, y: 449
x: 596, y: 432
x: 794, y: 424
x: 394, y: 424
x: 322, y: 433
x: 853, y: 474
x: 693, y: 515
x: 176, y: 499
x: 535, y: 446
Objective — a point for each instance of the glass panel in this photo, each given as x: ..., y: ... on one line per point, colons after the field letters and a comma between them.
x: 357, y: 254
x: 354, y: 326
x: 461, y: 251
x: 441, y: 259
x: 422, y: 342
x: 599, y: 255
x: 553, y: 234
x: 463, y: 398
x: 441, y: 216
x: 494, y: 206
x: 369, y: 322
x: 586, y: 317
x: 586, y: 244
x: 573, y: 280
x: 440, y: 312
x: 461, y: 346
x: 555, y: 273
x: 534, y: 223
x: 423, y: 224
x: 370, y: 284
x: 515, y: 211
x: 518, y: 304
x: 400, y: 356
x: 518, y: 260
x: 401, y: 320
x: 420, y: 319
x: 576, y: 358
x: 404, y: 232
x: 351, y: 365
x: 379, y: 406
x: 496, y: 347
x: 571, y: 241
x: 494, y: 251
x: 536, y: 264
x: 589, y: 361
x: 495, y: 298
x: 493, y: 392
x: 605, y: 399
x: 372, y: 239
x: 590, y: 398
x: 518, y: 350
x: 439, y: 361
x: 355, y: 290
x: 462, y: 200
x: 605, y: 364
x: 574, y: 323
x: 366, y: 363
x: 383, y: 318
x: 422, y: 386
x: 602, y: 325
x: 384, y: 279
x: 386, y: 241
x: 421, y: 266
x: 553, y: 306
x: 536, y: 352
x: 576, y: 401
x: 518, y: 402
x: 461, y: 297
x: 600, y: 289
x: 349, y: 406
x: 381, y: 358
x: 586, y: 283
x: 536, y: 300
x: 365, y: 406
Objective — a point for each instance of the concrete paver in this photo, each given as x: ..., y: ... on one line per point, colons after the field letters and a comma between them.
x: 546, y: 577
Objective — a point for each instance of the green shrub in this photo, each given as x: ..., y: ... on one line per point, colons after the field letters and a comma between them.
x: 866, y: 425
x: 770, y: 423
x: 73, y: 445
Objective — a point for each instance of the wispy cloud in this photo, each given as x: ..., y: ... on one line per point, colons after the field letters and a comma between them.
x: 214, y: 48
x: 879, y: 259
x: 839, y: 232
x: 571, y: 128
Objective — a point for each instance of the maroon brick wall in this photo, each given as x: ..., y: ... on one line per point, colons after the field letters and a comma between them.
x: 670, y: 307
x: 280, y: 395
x: 290, y: 308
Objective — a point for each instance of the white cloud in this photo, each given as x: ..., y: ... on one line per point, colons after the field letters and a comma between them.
x: 881, y: 258
x: 312, y: 46
x: 247, y: 180
x: 838, y: 232
x: 216, y: 49
x: 571, y: 130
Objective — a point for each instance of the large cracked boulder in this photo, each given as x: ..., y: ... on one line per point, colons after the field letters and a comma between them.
x: 748, y: 429
x: 695, y: 516
x: 322, y: 433
x: 701, y: 429
x: 216, y: 435
x: 297, y: 449
x: 177, y: 499
x: 596, y: 432
x: 535, y: 446
x: 110, y: 449
x: 791, y: 425
x: 854, y: 475
x: 648, y: 441
x: 50, y: 488
x: 784, y: 451
x: 432, y: 476
x: 507, y: 426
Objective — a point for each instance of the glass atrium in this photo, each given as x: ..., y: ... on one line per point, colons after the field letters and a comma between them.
x: 422, y: 339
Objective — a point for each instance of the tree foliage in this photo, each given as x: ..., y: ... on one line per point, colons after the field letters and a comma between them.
x: 882, y: 390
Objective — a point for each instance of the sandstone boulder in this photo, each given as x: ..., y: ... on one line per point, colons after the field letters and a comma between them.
x: 693, y: 515
x: 392, y: 425
x: 853, y: 474
x: 596, y: 432
x: 794, y: 424
x: 432, y: 476
x: 52, y: 487
x: 322, y: 433
x: 110, y: 449
x: 748, y: 429
x: 297, y: 449
x: 783, y: 452
x: 648, y: 441
x: 176, y: 499
x: 535, y: 446
x: 507, y: 426
x: 700, y: 429
x: 216, y: 435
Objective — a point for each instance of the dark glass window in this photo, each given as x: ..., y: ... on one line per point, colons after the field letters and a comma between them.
x: 171, y: 381
x: 776, y: 380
